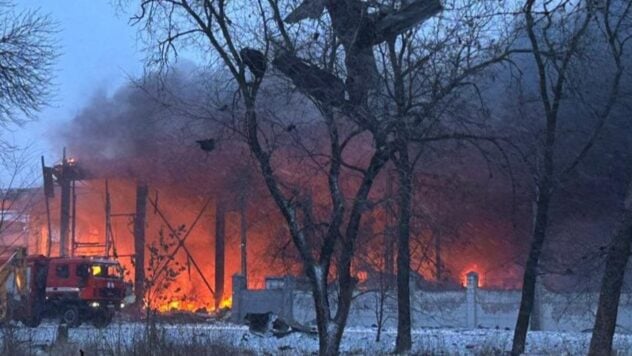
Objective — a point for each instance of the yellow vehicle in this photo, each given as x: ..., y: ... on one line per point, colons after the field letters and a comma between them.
x: 13, y: 283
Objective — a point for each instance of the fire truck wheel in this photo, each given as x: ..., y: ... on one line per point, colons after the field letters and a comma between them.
x: 70, y: 316
x: 102, y: 318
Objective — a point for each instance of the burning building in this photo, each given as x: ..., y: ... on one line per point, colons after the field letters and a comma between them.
x: 206, y: 208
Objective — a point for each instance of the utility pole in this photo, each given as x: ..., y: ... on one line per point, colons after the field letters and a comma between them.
x: 73, y: 244
x: 108, y: 220
x: 49, y: 192
x: 66, y: 173
x: 142, y: 192
x: 64, y: 224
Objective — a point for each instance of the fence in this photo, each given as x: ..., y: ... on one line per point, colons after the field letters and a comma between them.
x: 470, y: 307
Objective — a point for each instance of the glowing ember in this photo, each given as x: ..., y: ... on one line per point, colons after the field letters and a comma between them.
x: 192, y: 306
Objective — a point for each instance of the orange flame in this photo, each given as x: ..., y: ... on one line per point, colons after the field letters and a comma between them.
x: 226, y: 303
x: 192, y: 306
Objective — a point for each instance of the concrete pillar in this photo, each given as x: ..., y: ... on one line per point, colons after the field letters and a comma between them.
x: 289, y: 285
x: 239, y: 285
x: 470, y: 300
x: 535, y: 323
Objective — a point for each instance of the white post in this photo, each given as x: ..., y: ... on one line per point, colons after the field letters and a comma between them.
x: 536, y: 315
x: 470, y: 299
x: 239, y: 287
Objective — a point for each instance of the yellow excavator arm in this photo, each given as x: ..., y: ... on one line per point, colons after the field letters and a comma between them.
x: 12, y: 278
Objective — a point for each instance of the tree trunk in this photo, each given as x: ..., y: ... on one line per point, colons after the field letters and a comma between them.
x: 329, y: 333
x: 139, y: 244
x: 611, y: 284
x: 389, y: 236
x: 437, y: 250
x: 531, y: 270
x: 321, y: 307
x: 330, y: 330
x: 220, y: 215
x: 404, y: 171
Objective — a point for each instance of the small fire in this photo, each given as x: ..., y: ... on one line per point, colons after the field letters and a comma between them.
x: 363, y: 276
x: 226, y: 303
x: 180, y: 305
x: 193, y: 306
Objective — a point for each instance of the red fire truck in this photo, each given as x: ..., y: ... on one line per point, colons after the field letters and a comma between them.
x: 76, y: 289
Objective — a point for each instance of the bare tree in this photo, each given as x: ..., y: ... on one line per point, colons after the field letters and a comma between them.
x: 616, y: 25
x: 558, y: 35
x: 425, y: 73
x: 159, y: 276
x: 27, y: 52
x: 355, y: 26
x: 17, y: 199
x: 612, y: 283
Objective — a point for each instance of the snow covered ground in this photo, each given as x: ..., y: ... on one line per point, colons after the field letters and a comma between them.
x: 356, y: 340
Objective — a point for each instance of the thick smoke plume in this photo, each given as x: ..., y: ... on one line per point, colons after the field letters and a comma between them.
x: 147, y: 132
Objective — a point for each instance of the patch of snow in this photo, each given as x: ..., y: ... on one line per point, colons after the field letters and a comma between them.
x: 356, y: 340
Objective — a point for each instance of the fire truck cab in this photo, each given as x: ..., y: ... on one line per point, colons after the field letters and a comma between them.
x: 76, y: 289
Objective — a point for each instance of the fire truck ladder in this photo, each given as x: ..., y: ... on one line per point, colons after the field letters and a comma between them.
x: 108, y: 246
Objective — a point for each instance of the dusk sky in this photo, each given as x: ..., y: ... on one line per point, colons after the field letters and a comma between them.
x: 98, y: 52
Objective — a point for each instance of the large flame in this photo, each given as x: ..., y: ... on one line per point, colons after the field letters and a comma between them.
x: 266, y: 236
x: 128, y: 138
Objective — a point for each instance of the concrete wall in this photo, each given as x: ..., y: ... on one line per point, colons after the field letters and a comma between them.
x: 277, y: 298
x: 470, y: 307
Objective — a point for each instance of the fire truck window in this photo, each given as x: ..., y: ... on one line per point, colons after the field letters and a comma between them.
x: 83, y: 270
x: 62, y: 271
x: 115, y: 271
